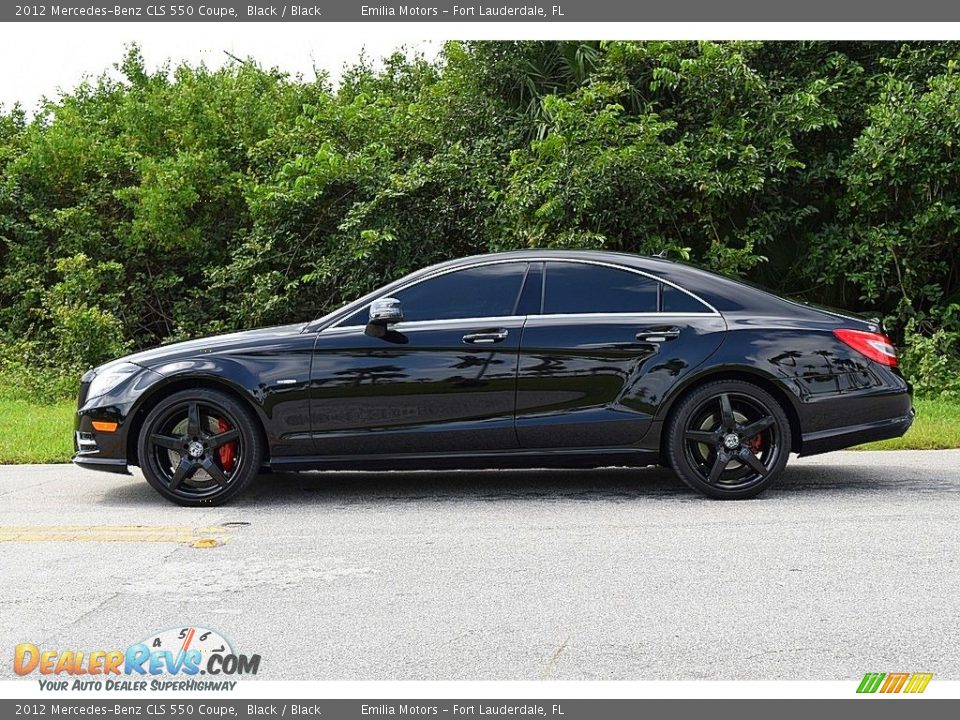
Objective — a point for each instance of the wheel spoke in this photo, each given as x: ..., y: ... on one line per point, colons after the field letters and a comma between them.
x: 215, y: 441
x: 214, y: 470
x: 193, y: 419
x: 754, y: 462
x: 165, y: 441
x: 719, y: 463
x: 701, y: 436
x: 185, y: 469
x: 757, y: 427
x: 726, y: 412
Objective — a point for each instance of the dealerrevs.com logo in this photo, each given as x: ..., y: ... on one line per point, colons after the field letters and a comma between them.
x: 889, y: 683
x: 154, y: 664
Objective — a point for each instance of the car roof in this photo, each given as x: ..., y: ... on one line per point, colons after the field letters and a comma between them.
x: 723, y: 293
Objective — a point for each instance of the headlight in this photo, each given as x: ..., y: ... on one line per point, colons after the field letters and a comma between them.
x: 109, y: 376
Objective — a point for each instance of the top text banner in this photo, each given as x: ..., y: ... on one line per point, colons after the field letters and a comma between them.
x: 493, y: 11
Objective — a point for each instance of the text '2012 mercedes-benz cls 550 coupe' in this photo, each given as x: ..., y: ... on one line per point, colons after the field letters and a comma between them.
x: 519, y: 359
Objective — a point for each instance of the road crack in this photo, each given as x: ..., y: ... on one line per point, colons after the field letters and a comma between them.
x: 552, y: 662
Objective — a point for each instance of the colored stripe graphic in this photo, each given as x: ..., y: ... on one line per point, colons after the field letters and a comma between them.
x: 913, y: 683
x: 870, y: 682
x: 918, y: 682
x: 894, y: 682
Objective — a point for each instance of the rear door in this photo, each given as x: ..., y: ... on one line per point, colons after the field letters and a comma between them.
x: 608, y: 345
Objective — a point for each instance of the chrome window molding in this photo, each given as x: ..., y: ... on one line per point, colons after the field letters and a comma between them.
x: 623, y: 315
x: 711, y: 311
x: 417, y: 324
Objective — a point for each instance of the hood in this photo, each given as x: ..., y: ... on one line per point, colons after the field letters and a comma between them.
x: 216, y: 343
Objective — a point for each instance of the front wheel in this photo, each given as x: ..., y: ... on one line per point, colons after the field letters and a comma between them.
x: 728, y: 439
x: 200, y: 447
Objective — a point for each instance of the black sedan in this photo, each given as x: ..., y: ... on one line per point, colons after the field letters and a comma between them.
x: 520, y: 359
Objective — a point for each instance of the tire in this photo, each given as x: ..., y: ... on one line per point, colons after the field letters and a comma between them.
x: 200, y: 447
x: 728, y: 440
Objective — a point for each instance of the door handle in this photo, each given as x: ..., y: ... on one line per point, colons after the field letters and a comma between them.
x: 658, y: 335
x: 486, y: 338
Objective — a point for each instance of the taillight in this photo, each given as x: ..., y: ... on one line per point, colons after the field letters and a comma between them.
x: 875, y: 346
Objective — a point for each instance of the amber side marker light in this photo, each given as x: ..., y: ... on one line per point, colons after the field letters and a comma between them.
x: 876, y: 346
x: 104, y: 426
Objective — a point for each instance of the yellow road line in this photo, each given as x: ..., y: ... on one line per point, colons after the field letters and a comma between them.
x: 110, y: 528
x: 202, y: 537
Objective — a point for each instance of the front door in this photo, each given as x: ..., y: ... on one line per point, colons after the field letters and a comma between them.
x: 442, y: 380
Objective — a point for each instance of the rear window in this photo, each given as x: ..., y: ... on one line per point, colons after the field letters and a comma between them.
x: 677, y: 301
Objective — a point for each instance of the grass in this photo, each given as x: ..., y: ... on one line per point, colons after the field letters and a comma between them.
x: 43, y: 433
x: 34, y: 433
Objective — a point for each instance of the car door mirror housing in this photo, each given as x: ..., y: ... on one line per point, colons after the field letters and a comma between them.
x: 385, y: 311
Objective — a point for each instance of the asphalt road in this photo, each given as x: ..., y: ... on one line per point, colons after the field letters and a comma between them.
x: 852, y: 564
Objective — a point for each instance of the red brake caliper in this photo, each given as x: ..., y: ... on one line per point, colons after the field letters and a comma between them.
x: 228, y: 452
x: 756, y: 444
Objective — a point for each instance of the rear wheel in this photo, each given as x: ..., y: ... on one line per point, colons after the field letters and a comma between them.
x: 200, y: 447
x: 729, y: 439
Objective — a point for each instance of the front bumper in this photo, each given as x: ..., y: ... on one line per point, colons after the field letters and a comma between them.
x: 104, y: 451
x: 112, y: 465
x: 97, y: 448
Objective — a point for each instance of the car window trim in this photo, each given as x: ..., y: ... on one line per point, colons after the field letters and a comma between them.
x: 624, y: 315
x: 712, y: 311
x: 523, y: 285
x: 417, y: 324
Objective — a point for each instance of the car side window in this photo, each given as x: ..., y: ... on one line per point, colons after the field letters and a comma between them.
x: 573, y: 288
x: 483, y: 291
x: 360, y: 317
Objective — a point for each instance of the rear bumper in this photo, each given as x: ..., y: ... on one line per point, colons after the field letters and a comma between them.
x: 844, y: 437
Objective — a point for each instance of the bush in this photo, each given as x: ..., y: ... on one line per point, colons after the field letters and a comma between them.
x: 27, y: 374
x: 932, y: 362
x: 86, y: 337
x: 150, y: 206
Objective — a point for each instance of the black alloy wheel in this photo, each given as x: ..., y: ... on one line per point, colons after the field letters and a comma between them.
x: 200, y: 447
x: 729, y: 439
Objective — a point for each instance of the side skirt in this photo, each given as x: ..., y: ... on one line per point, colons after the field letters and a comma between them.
x: 517, y: 459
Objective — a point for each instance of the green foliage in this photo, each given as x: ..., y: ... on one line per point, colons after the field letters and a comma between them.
x: 82, y: 309
x: 897, y: 236
x: 932, y: 362
x: 169, y: 204
x: 28, y: 375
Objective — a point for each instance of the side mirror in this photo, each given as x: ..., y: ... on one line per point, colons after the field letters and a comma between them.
x: 385, y: 311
